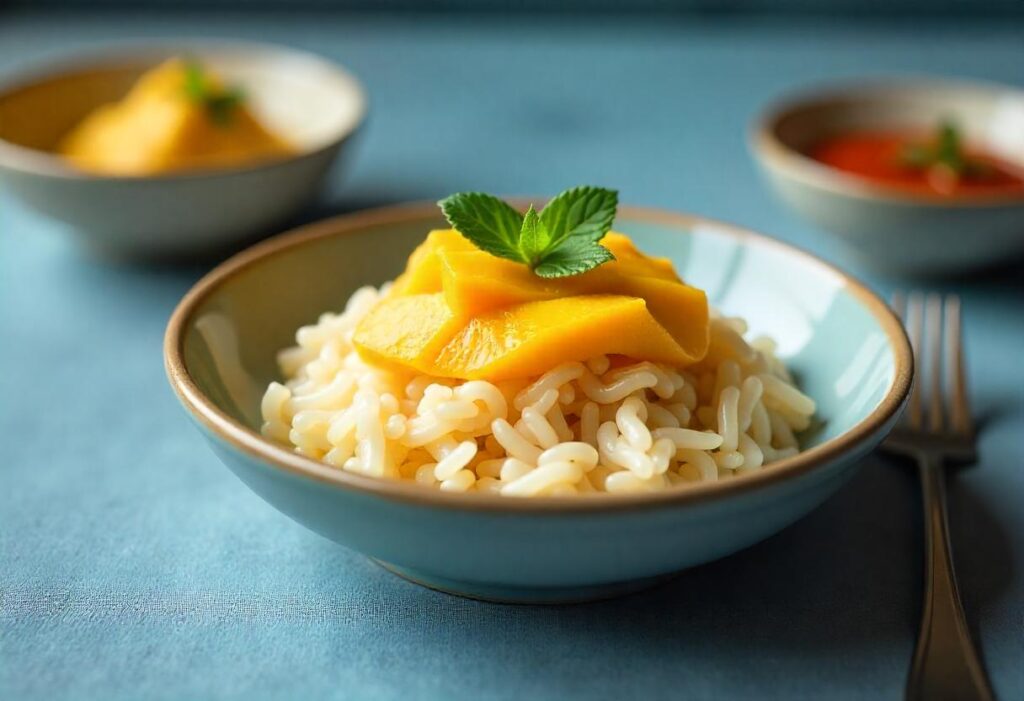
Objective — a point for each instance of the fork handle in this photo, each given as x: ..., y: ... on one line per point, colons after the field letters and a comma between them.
x: 946, y: 663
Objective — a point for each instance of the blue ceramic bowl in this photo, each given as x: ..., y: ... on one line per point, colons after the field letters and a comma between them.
x: 847, y: 348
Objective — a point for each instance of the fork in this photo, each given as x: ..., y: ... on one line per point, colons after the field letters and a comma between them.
x: 937, y: 430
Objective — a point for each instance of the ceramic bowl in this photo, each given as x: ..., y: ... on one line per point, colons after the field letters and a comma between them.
x: 847, y: 348
x: 309, y: 100
x: 890, y: 230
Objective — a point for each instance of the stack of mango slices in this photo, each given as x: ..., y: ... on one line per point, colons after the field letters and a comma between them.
x: 460, y: 312
x: 157, y: 128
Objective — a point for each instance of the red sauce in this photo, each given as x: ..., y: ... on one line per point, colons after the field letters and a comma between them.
x: 878, y: 156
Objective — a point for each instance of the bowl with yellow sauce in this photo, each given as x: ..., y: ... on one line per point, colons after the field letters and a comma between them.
x: 178, y: 149
x: 483, y: 428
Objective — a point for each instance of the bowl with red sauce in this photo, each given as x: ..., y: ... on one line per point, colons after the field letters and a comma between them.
x: 912, y: 176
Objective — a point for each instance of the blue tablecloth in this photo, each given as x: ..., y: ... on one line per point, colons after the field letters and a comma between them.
x: 135, y: 566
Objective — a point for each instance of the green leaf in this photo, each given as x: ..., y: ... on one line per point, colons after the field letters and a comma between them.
x: 195, y: 83
x: 573, y: 258
x: 587, y: 212
x: 534, y: 238
x: 489, y: 223
x: 948, y: 150
x: 221, y: 107
x: 560, y: 241
x: 220, y: 104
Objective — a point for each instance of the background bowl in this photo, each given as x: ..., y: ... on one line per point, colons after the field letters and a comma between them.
x: 847, y: 349
x: 310, y: 101
x: 885, y: 228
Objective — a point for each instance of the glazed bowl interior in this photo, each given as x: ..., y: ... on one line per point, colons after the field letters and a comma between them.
x: 305, y: 99
x: 845, y: 347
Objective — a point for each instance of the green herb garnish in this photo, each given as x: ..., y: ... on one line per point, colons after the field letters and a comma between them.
x: 220, y: 103
x: 944, y: 155
x: 559, y: 241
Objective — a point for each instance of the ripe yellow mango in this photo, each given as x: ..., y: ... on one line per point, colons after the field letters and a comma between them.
x: 423, y: 269
x: 629, y: 259
x: 530, y: 339
x: 475, y: 282
x: 158, y: 128
x: 407, y: 331
x: 460, y: 312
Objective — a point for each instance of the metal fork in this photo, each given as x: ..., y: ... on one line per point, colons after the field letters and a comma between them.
x: 937, y: 430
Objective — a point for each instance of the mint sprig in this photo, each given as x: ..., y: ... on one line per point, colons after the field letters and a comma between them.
x: 946, y: 153
x: 220, y: 103
x: 559, y: 241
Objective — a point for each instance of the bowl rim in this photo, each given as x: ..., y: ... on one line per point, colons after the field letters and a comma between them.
x: 37, y: 162
x: 775, y: 154
x: 250, y: 442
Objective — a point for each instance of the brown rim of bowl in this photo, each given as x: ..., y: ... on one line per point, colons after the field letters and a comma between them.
x: 46, y: 163
x: 254, y: 445
x: 776, y: 154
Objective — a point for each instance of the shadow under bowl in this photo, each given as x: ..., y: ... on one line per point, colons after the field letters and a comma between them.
x: 885, y: 228
x: 312, y: 103
x: 846, y: 347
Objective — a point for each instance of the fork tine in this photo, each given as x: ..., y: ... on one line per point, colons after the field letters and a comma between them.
x: 956, y: 381
x: 913, y: 320
x: 933, y: 330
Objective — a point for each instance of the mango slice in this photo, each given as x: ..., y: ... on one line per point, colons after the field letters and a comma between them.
x: 407, y: 331
x: 476, y: 282
x: 629, y: 259
x: 530, y: 339
x: 423, y: 270
x: 460, y: 312
x: 158, y: 128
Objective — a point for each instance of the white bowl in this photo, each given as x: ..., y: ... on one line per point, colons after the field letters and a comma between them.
x: 888, y: 229
x: 310, y: 101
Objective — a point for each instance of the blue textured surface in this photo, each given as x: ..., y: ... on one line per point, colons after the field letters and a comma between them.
x: 135, y: 566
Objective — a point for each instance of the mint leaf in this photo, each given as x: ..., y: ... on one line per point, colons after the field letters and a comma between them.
x: 489, y: 223
x: 534, y: 238
x: 560, y: 241
x: 573, y: 258
x: 195, y: 84
x: 220, y: 103
x: 948, y: 150
x: 221, y: 107
x: 585, y: 211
